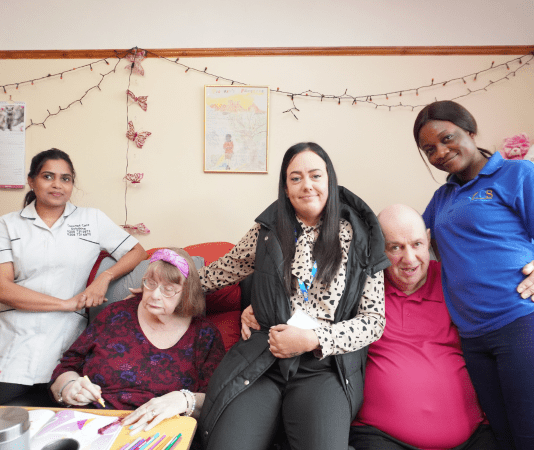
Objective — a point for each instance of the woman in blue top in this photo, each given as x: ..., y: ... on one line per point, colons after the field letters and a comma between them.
x: 482, y: 221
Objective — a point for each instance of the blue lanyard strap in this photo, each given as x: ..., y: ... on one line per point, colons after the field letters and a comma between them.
x: 302, y: 285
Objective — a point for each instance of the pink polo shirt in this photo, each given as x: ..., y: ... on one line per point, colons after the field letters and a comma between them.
x: 416, y: 386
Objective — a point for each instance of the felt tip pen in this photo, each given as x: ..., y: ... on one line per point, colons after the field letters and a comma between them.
x: 131, y: 445
x: 163, y: 444
x: 173, y: 441
x: 100, y: 400
x: 117, y: 422
x: 149, y: 442
x: 177, y: 442
x: 138, y: 444
x: 156, y: 444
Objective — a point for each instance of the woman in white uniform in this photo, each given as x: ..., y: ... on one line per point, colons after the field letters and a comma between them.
x: 47, y: 251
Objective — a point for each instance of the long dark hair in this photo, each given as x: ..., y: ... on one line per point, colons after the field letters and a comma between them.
x: 449, y: 111
x: 327, y: 249
x: 38, y: 161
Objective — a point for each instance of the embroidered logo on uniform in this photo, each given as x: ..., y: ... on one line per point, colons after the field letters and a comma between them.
x: 484, y: 194
x: 78, y: 230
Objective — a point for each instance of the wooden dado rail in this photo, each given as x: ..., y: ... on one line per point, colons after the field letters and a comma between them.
x: 274, y: 51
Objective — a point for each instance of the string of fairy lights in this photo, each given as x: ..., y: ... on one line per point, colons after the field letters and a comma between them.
x: 377, y: 99
x: 136, y: 55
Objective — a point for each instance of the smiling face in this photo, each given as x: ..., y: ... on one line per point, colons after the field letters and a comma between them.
x: 154, y: 302
x: 407, y: 247
x: 52, y: 185
x: 307, y: 186
x: 451, y: 149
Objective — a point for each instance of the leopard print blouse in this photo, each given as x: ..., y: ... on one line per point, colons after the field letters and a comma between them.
x: 334, y: 338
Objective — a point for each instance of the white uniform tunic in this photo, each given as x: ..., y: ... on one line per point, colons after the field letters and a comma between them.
x: 54, y: 261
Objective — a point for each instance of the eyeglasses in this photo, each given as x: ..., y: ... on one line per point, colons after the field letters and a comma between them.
x: 166, y: 291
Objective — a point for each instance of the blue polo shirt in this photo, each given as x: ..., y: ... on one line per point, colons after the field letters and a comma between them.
x: 484, y: 231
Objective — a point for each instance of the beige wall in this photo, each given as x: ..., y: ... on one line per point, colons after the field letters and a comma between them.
x: 372, y: 149
x: 82, y: 24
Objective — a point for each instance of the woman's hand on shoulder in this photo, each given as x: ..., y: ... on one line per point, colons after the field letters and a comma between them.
x: 286, y: 341
x: 155, y: 411
x: 526, y: 287
x: 134, y: 292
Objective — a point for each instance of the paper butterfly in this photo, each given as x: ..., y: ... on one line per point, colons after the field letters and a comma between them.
x: 140, y: 228
x: 135, y: 58
x: 140, y: 100
x: 138, y: 138
x: 133, y: 177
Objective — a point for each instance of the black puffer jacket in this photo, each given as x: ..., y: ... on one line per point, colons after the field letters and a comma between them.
x: 248, y: 360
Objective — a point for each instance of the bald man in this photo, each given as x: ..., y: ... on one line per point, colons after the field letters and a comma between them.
x: 417, y: 392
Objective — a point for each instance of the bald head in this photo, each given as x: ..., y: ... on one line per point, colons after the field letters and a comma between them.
x: 407, y: 247
x: 395, y: 216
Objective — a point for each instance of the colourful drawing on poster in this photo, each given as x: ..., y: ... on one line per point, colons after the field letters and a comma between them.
x: 236, y: 129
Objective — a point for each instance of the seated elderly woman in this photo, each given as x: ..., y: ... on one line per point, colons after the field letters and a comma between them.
x: 154, y: 351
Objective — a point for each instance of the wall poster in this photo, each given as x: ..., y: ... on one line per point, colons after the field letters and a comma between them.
x: 12, y: 144
x: 236, y: 129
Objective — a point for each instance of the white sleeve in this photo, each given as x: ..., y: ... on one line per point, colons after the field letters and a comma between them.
x: 112, y: 238
x: 6, y: 253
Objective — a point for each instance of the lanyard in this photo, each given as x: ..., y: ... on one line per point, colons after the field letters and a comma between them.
x: 302, y: 285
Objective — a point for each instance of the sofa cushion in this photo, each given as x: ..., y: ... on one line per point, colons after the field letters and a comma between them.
x: 226, y: 299
x: 228, y: 324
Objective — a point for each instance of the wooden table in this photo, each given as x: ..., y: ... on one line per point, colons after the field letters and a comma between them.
x: 170, y: 427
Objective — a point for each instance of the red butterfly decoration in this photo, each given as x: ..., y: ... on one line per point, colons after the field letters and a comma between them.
x: 138, y: 138
x: 140, y: 100
x: 140, y: 228
x: 135, y: 58
x: 133, y: 178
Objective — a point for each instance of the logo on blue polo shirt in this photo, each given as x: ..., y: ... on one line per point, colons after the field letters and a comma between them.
x: 484, y: 194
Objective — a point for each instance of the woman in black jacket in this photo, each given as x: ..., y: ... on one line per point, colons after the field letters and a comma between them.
x: 316, y: 256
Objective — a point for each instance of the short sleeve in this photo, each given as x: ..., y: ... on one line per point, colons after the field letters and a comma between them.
x: 6, y: 253
x: 430, y: 214
x: 115, y: 240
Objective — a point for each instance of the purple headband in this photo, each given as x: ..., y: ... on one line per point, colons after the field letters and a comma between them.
x: 172, y: 258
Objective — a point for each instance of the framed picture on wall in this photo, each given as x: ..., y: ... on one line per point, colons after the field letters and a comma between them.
x: 236, y: 129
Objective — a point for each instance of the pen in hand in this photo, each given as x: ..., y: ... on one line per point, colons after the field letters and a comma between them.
x: 100, y: 400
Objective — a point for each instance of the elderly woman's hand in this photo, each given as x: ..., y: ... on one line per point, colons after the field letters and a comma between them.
x: 286, y: 341
x: 156, y: 410
x: 248, y: 321
x: 526, y: 287
x: 81, y: 392
x: 96, y: 291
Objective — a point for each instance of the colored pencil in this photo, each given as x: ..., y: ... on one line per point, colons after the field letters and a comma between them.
x: 100, y: 400
x: 140, y: 442
x: 133, y: 443
x: 164, y: 444
x: 177, y: 442
x: 160, y: 439
x: 172, y: 442
x: 149, y: 442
